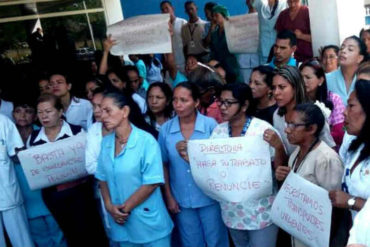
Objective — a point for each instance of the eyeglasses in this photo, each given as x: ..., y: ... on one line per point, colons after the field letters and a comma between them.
x: 226, y: 103
x: 294, y: 125
x: 330, y: 57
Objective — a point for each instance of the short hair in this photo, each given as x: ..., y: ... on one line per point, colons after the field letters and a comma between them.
x: 204, y: 78
x: 209, y: 5
x: 312, y: 115
x: 334, y: 47
x: 287, y: 34
x: 164, y: 2
x: 62, y: 73
x: 242, y: 92
x: 131, y: 68
x: 98, y: 90
x: 192, y: 87
x: 364, y: 68
x: 188, y: 3
x: 56, y: 102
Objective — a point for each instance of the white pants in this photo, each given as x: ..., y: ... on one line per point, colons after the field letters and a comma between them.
x: 15, y: 222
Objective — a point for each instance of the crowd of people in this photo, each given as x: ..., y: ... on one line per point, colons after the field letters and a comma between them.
x: 139, y: 115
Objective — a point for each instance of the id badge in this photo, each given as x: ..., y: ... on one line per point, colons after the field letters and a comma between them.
x: 192, y: 44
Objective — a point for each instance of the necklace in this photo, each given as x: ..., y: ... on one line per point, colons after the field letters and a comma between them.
x: 123, y: 141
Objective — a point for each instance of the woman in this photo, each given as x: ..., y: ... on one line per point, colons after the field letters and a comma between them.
x: 90, y: 86
x: 153, y: 68
x: 313, y: 159
x: 288, y: 91
x: 237, y: 107
x: 209, y: 84
x: 218, y: 46
x: 365, y: 37
x: 351, y: 54
x: 197, y: 216
x: 158, y: 99
x: 316, y: 90
x: 296, y: 19
x: 72, y: 203
x: 44, y: 229
x: 129, y: 173
x: 363, y: 71
x: 355, y: 152
x: 268, y: 12
x: 329, y: 58
x: 261, y: 85
x: 76, y: 111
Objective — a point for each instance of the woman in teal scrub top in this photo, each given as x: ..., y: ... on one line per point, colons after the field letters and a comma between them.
x: 130, y: 172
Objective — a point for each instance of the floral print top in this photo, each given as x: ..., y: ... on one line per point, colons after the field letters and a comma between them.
x: 247, y: 215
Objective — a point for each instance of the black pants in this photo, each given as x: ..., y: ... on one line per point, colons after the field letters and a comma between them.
x: 77, y: 214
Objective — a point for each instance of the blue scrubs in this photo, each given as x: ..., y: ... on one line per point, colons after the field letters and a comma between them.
x: 139, y: 163
x: 199, y: 221
x: 337, y: 84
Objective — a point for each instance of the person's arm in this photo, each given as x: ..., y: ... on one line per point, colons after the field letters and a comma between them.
x: 108, y: 43
x: 302, y: 36
x: 114, y: 210
x: 169, y: 59
x: 138, y: 197
x: 274, y: 140
x: 208, y: 39
x: 340, y: 199
x: 171, y: 202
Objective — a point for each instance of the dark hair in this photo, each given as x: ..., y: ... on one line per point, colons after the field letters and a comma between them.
x: 322, y: 91
x: 205, y: 79
x: 242, y: 92
x: 363, y: 30
x: 274, y: 9
x: 62, y: 73
x: 334, y: 47
x: 167, y: 91
x: 287, y: 34
x: 164, y: 2
x: 57, y: 103
x: 362, y: 89
x: 131, y: 68
x: 209, y: 5
x: 96, y: 81
x: 120, y: 100
x: 361, y: 45
x: 192, y: 87
x: 24, y: 104
x: 188, y: 3
x: 364, y: 68
x: 98, y: 90
x: 312, y: 115
x: 268, y: 73
x: 294, y: 78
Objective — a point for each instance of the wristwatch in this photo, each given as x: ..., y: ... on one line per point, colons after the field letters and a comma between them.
x: 351, y: 202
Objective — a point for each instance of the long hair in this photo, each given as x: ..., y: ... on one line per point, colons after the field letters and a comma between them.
x: 362, y: 89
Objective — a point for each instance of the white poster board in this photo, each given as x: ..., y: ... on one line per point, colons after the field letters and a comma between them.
x: 54, y: 163
x: 242, y: 33
x: 232, y: 169
x: 145, y: 34
x: 334, y: 20
x: 303, y: 209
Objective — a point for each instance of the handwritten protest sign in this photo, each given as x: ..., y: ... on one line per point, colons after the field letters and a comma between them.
x: 145, y: 34
x: 303, y: 209
x: 332, y: 27
x: 232, y: 169
x: 54, y: 163
x: 242, y: 33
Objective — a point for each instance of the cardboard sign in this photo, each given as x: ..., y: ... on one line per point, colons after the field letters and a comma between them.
x: 145, y: 34
x: 303, y: 209
x: 242, y: 33
x: 232, y: 169
x: 54, y: 163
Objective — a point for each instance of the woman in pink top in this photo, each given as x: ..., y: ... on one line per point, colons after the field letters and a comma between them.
x: 296, y: 19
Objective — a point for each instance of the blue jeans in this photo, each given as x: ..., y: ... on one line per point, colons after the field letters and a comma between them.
x: 265, y: 237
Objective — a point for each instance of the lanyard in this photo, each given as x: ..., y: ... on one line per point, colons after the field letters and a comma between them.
x: 245, y: 127
x: 294, y: 168
x: 192, y: 31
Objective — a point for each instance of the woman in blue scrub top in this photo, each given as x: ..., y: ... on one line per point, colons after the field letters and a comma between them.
x: 197, y: 216
x: 130, y: 172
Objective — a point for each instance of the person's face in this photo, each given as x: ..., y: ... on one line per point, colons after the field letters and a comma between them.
x: 134, y: 80
x: 183, y: 102
x: 157, y: 101
x: 94, y: 67
x: 44, y: 87
x: 59, y: 85
x: 218, y: 18
x: 191, y: 10
x: 96, y: 102
x: 90, y: 87
x: 167, y: 9
x: 349, y: 53
x: 296, y: 129
x: 208, y: 14
x: 24, y: 116
x: 366, y: 39
x: 116, y: 81
x: 191, y: 64
x: 282, y: 90
x: 113, y: 116
x: 330, y: 60
x: 294, y: 4
x: 283, y: 50
x: 311, y: 82
x: 354, y: 115
x: 258, y: 85
x: 48, y: 115
x: 230, y: 107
